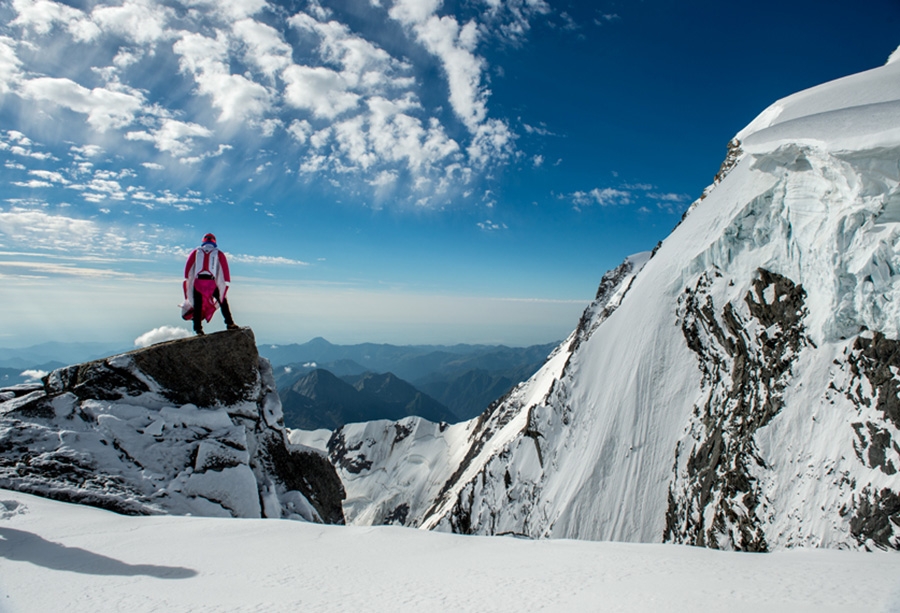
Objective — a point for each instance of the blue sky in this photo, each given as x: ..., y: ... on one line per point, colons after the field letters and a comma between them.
x: 404, y: 171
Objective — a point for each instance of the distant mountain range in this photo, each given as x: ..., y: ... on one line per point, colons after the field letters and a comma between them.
x: 439, y: 382
x: 48, y: 356
x: 319, y: 399
x: 458, y: 381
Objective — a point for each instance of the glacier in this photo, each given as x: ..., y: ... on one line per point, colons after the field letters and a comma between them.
x: 737, y: 388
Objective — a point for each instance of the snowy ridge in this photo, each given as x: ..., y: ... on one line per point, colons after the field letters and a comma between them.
x: 741, y: 392
x: 188, y: 427
x: 411, y: 472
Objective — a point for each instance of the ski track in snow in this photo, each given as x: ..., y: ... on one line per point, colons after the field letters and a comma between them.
x: 92, y: 560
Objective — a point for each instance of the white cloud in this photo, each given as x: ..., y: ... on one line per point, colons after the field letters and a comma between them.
x: 300, y: 130
x: 40, y: 230
x: 236, y: 96
x: 604, y: 197
x: 362, y: 63
x: 175, y: 137
x: 410, y: 12
x: 320, y: 90
x: 397, y: 136
x: 18, y: 144
x: 453, y: 45
x: 105, y: 108
x: 205, y: 156
x: 199, y: 54
x: 86, y: 151
x: 266, y: 260
x: 33, y: 374
x: 41, y: 15
x: 490, y: 226
x: 49, y: 175
x: 313, y: 164
x: 32, y: 184
x: 349, y: 107
x: 233, y: 9
x: 161, y: 335
x: 604, y: 18
x: 140, y: 21
x: 669, y: 197
x: 265, y: 46
x: 493, y: 140
x: 512, y: 18
x: 352, y: 141
x: 384, y: 178
x: 10, y: 65
x: 539, y: 130
x: 99, y: 189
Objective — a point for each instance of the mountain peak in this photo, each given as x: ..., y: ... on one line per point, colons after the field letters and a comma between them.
x: 736, y: 390
x: 192, y: 426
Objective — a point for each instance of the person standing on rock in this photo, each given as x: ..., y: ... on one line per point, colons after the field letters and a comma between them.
x: 206, y: 279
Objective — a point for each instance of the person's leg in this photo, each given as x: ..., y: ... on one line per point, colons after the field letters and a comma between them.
x: 198, y: 312
x: 226, y: 310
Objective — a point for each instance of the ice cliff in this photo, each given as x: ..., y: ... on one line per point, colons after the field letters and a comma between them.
x: 737, y: 390
x: 186, y: 427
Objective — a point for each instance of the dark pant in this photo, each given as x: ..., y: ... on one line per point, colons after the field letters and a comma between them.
x: 198, y: 310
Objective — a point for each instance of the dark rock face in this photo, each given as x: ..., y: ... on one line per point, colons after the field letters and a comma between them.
x: 603, y: 305
x: 189, y: 426
x: 220, y: 368
x: 872, y: 362
x: 746, y: 358
x: 747, y: 353
x: 350, y: 457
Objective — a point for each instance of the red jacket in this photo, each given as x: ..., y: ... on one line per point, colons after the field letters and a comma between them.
x: 205, y: 259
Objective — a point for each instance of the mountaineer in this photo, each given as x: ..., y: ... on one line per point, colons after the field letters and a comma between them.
x: 206, y: 279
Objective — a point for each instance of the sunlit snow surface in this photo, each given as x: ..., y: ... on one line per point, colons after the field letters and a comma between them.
x: 60, y: 557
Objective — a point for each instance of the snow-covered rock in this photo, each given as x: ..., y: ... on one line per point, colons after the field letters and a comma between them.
x: 192, y: 426
x: 738, y: 389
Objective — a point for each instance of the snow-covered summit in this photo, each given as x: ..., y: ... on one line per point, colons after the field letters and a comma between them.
x: 186, y: 427
x: 737, y: 390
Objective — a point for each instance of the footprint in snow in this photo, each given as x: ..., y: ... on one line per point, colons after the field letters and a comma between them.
x: 8, y: 508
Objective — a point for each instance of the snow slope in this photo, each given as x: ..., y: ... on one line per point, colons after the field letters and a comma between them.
x: 737, y: 390
x: 93, y: 560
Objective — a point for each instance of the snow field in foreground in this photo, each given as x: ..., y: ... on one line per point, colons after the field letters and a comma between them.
x: 56, y: 556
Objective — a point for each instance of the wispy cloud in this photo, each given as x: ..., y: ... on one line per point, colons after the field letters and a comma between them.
x: 492, y: 226
x: 643, y: 195
x: 49, y: 269
x: 266, y: 260
x: 105, y: 108
x: 606, y: 196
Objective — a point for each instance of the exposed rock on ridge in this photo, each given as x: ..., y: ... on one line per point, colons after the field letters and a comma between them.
x: 189, y: 426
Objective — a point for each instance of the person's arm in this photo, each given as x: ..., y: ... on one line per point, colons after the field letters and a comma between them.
x: 190, y: 263
x: 223, y: 262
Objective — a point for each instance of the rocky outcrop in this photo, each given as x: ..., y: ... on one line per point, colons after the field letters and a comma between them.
x: 745, y: 353
x: 189, y: 426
